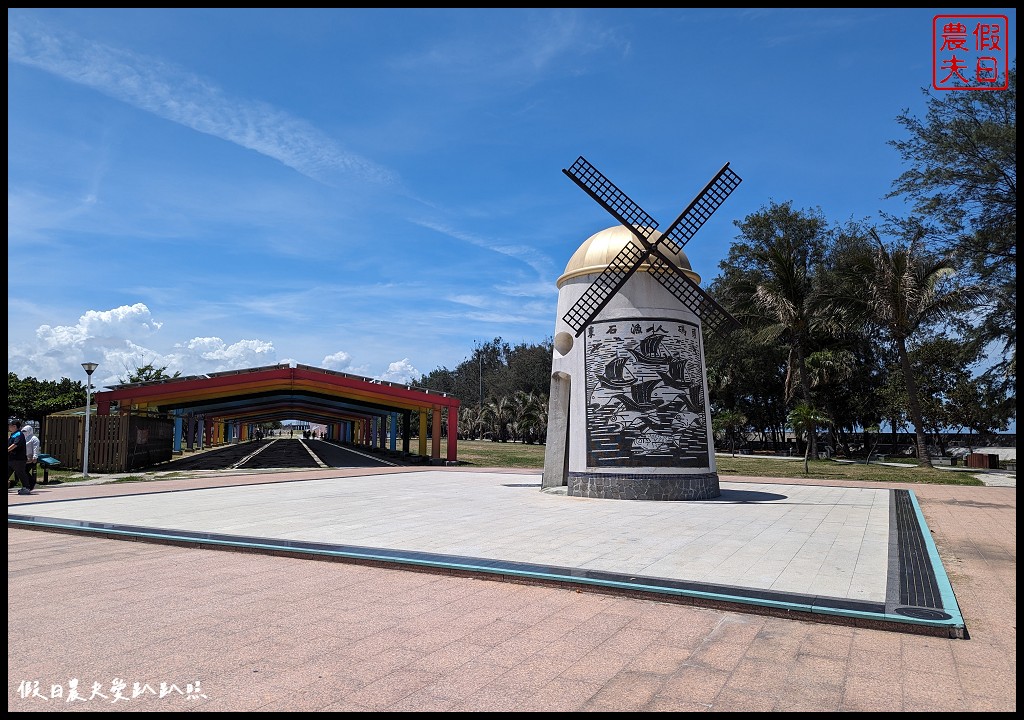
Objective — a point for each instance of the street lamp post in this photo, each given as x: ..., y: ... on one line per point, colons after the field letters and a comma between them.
x: 90, y: 368
x: 478, y: 349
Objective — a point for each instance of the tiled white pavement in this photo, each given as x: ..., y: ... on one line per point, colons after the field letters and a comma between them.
x: 804, y: 539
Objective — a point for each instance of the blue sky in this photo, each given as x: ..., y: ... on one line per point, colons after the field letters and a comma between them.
x: 375, y: 191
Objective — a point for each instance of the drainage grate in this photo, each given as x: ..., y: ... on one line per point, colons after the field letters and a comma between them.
x: 919, y: 587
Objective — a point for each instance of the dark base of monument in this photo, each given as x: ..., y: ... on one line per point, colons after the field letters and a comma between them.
x: 644, y: 486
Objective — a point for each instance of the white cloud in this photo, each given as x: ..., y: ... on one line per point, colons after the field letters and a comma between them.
x: 119, y: 340
x: 99, y: 325
x: 477, y: 301
x: 211, y: 354
x: 181, y: 97
x: 107, y: 337
x: 560, y: 41
x: 401, y: 371
x: 340, y: 361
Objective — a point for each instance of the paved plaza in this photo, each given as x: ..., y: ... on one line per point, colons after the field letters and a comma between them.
x: 768, y: 570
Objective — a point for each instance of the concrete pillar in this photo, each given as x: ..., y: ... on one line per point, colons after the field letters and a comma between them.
x: 556, y: 449
x: 406, y: 425
x: 423, y: 432
x: 435, y: 436
x: 177, y: 431
x: 452, y: 424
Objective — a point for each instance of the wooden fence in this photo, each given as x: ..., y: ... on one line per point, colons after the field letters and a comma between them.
x: 117, y: 443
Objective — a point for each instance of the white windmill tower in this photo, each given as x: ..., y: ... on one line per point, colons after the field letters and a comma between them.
x: 629, y: 416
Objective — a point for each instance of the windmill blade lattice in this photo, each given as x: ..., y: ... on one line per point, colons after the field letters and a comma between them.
x: 712, y: 315
x: 612, y: 199
x: 631, y: 257
x: 601, y: 291
x: 703, y: 207
x: 604, y: 287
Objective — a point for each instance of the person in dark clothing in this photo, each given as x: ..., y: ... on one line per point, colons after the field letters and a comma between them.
x: 16, y: 457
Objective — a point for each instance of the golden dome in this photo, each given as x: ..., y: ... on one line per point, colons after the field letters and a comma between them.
x: 598, y: 250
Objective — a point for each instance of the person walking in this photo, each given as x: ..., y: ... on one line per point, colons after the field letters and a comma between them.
x: 31, y: 451
x: 16, y: 456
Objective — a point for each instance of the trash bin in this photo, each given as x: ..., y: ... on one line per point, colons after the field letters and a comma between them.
x: 983, y: 461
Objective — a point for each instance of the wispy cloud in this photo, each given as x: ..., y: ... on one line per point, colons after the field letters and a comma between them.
x: 181, y: 97
x: 496, y: 317
x: 546, y: 40
x: 525, y: 254
x: 477, y: 301
x: 31, y: 215
x: 794, y: 28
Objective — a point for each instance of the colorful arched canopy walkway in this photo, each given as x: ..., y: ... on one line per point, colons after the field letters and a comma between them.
x: 225, y: 406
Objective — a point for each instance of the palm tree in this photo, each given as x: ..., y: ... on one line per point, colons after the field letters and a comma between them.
x: 804, y: 419
x: 902, y: 289
x: 829, y: 370
x: 499, y: 414
x: 529, y: 415
x: 730, y: 422
x: 777, y: 291
x: 470, y: 422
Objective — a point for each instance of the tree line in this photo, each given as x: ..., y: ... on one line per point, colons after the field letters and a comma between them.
x: 502, y: 391
x: 910, y: 322
x: 31, y: 399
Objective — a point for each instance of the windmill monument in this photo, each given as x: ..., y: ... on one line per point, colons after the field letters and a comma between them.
x: 628, y: 414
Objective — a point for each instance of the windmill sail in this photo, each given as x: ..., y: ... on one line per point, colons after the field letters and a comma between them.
x: 631, y: 257
x: 700, y: 209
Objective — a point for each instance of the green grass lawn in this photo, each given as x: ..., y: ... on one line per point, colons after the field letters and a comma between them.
x: 832, y: 470
x: 484, y: 453
x: 62, y: 475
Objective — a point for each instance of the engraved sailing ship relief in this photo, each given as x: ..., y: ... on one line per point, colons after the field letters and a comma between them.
x: 657, y: 417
